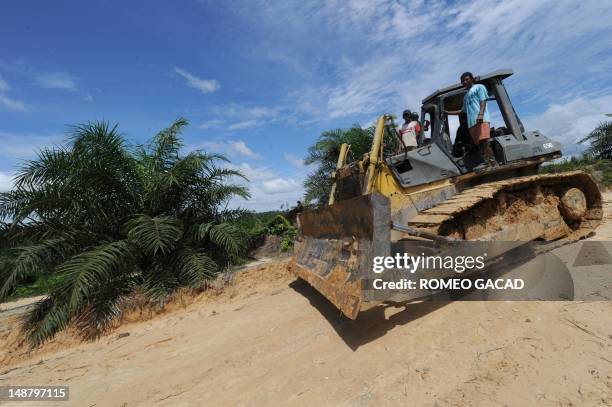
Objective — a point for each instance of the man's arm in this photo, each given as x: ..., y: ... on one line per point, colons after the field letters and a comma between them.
x: 483, y: 96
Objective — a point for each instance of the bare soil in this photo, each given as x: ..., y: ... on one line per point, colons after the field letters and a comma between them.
x: 270, y: 339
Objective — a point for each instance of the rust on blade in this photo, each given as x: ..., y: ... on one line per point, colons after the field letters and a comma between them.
x: 331, y: 266
x: 352, y: 217
x: 344, y: 294
x: 334, y: 250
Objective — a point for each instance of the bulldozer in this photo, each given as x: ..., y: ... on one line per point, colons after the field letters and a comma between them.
x: 428, y: 194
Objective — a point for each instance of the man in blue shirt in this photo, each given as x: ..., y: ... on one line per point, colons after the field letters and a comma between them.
x: 475, y: 107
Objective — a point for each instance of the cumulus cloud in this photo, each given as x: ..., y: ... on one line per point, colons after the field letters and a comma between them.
x: 203, y: 85
x: 57, y: 80
x: 242, y: 149
x: 280, y: 185
x: 264, y: 201
x: 254, y: 174
x: 294, y: 160
x: 269, y: 190
x: 569, y: 122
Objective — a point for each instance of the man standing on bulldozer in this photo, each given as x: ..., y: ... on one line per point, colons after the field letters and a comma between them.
x: 408, y: 133
x: 475, y: 107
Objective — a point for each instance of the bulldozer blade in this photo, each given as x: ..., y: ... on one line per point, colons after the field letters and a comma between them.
x: 336, y: 245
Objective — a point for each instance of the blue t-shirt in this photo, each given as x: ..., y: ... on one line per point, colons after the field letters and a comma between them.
x: 471, y: 104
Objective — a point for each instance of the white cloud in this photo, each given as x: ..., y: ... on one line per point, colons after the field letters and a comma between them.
x: 4, y: 86
x: 243, y: 150
x: 211, y: 124
x: 245, y: 125
x: 280, y: 185
x: 264, y: 201
x: 268, y: 189
x: 231, y: 148
x: 57, y: 80
x: 259, y: 112
x: 88, y: 97
x: 7, y: 102
x: 363, y: 91
x: 571, y: 121
x: 12, y: 104
x: 6, y: 181
x: 364, y: 67
x: 272, y: 194
x: 254, y: 174
x: 294, y: 160
x: 241, y: 117
x: 203, y: 85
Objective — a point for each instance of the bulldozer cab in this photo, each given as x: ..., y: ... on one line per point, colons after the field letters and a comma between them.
x: 435, y: 159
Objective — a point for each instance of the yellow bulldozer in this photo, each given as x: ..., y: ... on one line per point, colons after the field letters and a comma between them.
x: 430, y: 194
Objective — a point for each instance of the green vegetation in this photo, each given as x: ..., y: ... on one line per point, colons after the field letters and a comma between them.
x: 254, y: 225
x: 40, y: 286
x: 95, y: 221
x: 280, y: 226
x: 260, y: 225
x: 597, y: 160
x: 600, y: 169
x: 600, y: 141
x: 324, y: 152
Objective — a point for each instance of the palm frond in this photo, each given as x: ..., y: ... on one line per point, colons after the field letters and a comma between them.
x: 229, y: 237
x: 600, y: 141
x: 154, y: 235
x: 88, y: 272
x: 166, y: 145
x: 105, y: 308
x: 44, y: 320
x: 51, y: 166
x: 195, y: 267
x: 160, y: 281
x: 95, y: 137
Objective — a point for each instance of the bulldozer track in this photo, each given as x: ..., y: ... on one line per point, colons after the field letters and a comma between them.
x: 461, y: 203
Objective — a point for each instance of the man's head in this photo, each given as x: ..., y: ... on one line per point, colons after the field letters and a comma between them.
x: 406, y: 115
x: 414, y: 116
x: 467, y: 79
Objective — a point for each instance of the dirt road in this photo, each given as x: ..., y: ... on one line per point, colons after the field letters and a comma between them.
x: 273, y: 340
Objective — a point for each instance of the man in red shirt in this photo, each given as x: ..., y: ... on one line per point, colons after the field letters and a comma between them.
x: 408, y: 132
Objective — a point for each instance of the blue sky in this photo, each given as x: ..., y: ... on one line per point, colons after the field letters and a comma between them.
x: 259, y: 80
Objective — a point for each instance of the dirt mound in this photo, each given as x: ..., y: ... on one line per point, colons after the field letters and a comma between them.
x: 243, y: 283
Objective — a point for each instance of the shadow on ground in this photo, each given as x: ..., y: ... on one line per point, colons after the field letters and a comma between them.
x: 371, y: 323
